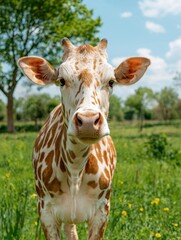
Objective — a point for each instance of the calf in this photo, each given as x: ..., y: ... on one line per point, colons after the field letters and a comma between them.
x: 74, y: 157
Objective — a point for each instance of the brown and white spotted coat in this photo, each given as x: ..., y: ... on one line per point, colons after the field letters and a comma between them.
x: 74, y: 157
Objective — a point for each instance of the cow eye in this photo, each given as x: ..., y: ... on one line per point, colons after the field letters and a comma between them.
x: 62, y: 82
x: 111, y: 83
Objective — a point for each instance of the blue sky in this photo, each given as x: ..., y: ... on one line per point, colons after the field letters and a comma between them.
x: 149, y: 28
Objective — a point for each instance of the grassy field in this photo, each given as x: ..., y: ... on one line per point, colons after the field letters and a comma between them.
x: 146, y: 196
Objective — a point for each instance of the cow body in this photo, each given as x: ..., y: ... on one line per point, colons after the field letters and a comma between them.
x: 74, y: 156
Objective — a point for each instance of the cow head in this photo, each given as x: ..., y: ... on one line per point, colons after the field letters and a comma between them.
x: 86, y: 80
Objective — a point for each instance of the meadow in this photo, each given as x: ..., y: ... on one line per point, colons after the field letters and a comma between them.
x: 146, y: 195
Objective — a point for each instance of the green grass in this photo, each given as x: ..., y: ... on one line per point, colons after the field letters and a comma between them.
x: 146, y: 196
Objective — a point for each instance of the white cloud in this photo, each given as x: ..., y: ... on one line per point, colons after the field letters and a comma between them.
x: 155, y: 27
x: 159, y: 74
x: 174, y: 52
x: 126, y: 14
x: 117, y: 60
x: 157, y: 8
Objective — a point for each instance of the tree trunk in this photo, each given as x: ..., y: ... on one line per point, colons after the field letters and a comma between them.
x: 10, y: 118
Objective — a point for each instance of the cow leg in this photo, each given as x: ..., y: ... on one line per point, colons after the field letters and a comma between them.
x: 70, y: 232
x: 51, y: 227
x: 97, y: 225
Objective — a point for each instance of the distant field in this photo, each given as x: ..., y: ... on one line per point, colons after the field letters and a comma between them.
x: 146, y: 196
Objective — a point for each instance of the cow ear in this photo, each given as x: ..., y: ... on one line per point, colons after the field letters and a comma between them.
x: 131, y: 70
x: 38, y: 70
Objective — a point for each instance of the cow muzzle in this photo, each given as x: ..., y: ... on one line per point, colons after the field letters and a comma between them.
x: 89, y: 126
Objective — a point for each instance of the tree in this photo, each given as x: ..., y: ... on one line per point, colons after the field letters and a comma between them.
x: 35, y: 107
x: 139, y: 102
x: 53, y: 103
x: 36, y: 27
x: 167, y: 99
x: 2, y: 110
x: 178, y: 108
x: 115, y: 109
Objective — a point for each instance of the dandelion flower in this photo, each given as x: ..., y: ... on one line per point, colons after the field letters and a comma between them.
x: 34, y: 195
x: 155, y: 201
x: 166, y: 209
x: 175, y: 224
x: 141, y: 209
x: 158, y: 235
x: 7, y: 175
x: 124, y: 213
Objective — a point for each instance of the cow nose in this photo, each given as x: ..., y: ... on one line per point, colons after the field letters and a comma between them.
x: 88, y: 121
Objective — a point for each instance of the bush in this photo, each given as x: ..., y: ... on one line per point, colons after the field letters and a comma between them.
x: 158, y: 147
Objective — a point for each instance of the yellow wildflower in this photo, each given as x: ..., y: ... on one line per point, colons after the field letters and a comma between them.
x: 141, y: 209
x: 36, y: 223
x: 7, y: 175
x: 175, y: 224
x: 124, y: 213
x: 155, y: 201
x: 166, y: 209
x: 158, y: 235
x: 34, y: 195
x: 129, y: 205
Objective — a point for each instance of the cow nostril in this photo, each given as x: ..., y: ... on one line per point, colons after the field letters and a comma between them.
x: 96, y: 122
x: 79, y: 121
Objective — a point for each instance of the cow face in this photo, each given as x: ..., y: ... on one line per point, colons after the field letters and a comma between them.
x: 86, y: 80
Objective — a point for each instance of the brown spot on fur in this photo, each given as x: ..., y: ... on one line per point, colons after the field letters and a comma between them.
x: 92, y: 184
x: 85, y: 153
x: 85, y: 48
x: 107, y: 173
x: 91, y: 166
x: 86, y: 77
x: 49, y: 158
x: 54, y: 186
x: 108, y: 194
x: 98, y: 152
x: 103, y: 141
x: 35, y: 163
x: 101, y: 194
x: 42, y: 203
x: 105, y: 157
x: 63, y: 156
x: 103, y: 182
x: 47, y: 138
x: 38, y: 207
x: 72, y: 154
x: 41, y: 157
x: 69, y: 157
x: 39, y: 171
x: 95, y: 61
x: 54, y: 129
x: 73, y: 141
x: 39, y: 192
x: 62, y: 166
x: 47, y: 173
x: 102, y: 229
x: 79, y: 89
x: 76, y: 66
x: 81, y: 101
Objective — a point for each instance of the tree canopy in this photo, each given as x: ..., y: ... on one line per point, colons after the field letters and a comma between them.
x: 167, y: 100
x: 138, y: 102
x: 36, y: 28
